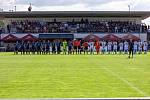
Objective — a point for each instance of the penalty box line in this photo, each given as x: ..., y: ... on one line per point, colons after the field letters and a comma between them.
x: 125, y: 81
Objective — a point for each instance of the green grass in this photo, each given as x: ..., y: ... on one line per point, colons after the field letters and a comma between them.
x: 74, y: 76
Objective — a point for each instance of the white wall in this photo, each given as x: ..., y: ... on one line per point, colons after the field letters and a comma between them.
x: 143, y: 36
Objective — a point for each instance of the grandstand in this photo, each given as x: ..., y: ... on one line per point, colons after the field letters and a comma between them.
x: 72, y: 24
x: 92, y: 63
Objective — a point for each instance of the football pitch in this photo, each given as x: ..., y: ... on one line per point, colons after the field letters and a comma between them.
x: 74, y: 76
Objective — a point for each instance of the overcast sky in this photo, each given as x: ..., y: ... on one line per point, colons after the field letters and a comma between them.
x: 77, y: 5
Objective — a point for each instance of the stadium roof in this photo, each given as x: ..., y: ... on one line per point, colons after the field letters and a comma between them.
x: 132, y: 14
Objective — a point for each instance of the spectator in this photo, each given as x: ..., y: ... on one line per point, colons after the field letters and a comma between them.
x: 71, y: 27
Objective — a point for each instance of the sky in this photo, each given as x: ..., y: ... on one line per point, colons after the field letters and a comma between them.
x: 77, y: 5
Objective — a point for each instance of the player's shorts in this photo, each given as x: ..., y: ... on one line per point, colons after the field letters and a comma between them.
x: 47, y: 48
x: 69, y: 48
x: 75, y: 47
x: 140, y: 49
x: 145, y: 49
x: 85, y: 48
x: 79, y: 47
x: 114, y: 49
x: 121, y: 48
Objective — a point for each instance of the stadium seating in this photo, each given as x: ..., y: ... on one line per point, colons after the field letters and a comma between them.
x: 26, y: 26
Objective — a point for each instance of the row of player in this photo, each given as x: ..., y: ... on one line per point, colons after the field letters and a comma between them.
x: 77, y: 47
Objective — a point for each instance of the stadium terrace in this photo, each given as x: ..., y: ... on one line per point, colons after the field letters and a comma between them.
x: 69, y: 25
x: 75, y: 55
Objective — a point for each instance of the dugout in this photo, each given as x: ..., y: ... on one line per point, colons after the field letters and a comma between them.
x: 58, y: 36
x: 9, y: 41
x: 29, y: 37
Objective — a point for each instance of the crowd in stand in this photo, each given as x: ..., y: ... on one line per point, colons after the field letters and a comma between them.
x: 79, y: 47
x: 26, y: 26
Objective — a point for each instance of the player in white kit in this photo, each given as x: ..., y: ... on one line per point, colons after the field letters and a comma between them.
x: 109, y: 47
x: 135, y: 47
x: 121, y: 47
x: 103, y: 47
x: 106, y: 47
x: 115, y: 46
x: 145, y: 47
x: 126, y: 47
x: 140, y: 45
x: 91, y: 47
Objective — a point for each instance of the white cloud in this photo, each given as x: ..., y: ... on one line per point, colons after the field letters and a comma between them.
x: 76, y: 7
x: 74, y: 4
x: 113, y: 6
x: 63, y: 2
x: 142, y: 5
x: 7, y: 2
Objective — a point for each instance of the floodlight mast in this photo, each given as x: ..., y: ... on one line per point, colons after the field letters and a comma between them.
x: 129, y: 6
x: 30, y: 7
x: 15, y: 8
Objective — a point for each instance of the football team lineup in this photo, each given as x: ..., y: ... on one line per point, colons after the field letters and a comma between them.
x: 74, y: 55
x: 74, y: 76
x: 77, y: 46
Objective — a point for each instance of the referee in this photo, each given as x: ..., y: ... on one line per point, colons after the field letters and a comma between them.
x: 130, y: 48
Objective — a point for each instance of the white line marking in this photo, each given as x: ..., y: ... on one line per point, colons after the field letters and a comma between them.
x: 127, y: 82
x: 131, y: 98
x: 123, y: 80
